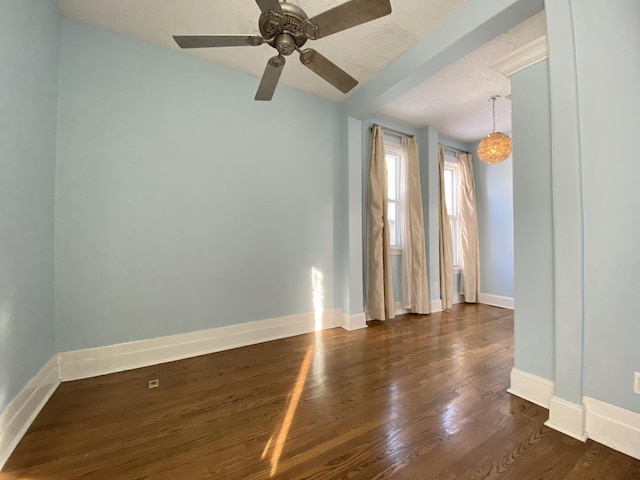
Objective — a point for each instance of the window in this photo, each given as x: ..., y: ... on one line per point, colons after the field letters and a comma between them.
x: 452, y: 199
x: 393, y: 153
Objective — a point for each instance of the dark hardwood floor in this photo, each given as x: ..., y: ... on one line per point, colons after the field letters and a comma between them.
x: 418, y: 397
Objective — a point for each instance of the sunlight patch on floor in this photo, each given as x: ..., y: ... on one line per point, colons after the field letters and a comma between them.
x: 276, y: 442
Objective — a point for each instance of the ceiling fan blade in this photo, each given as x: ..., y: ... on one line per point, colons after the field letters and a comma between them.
x: 266, y: 5
x: 347, y: 15
x: 328, y: 70
x: 270, y: 78
x: 205, y: 41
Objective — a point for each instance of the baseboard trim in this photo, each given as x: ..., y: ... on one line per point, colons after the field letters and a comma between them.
x: 531, y: 387
x: 567, y: 417
x: 400, y: 310
x: 602, y: 422
x: 17, y: 417
x: 92, y: 362
x: 436, y: 306
x: 354, y: 322
x: 458, y: 298
x: 613, y: 426
x: 496, y: 300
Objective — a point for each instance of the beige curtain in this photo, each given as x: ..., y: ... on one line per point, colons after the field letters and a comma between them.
x: 469, y: 248
x: 446, y: 243
x: 380, y: 299
x: 415, y: 282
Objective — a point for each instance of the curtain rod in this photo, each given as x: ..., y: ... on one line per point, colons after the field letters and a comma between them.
x: 391, y: 130
x: 452, y: 148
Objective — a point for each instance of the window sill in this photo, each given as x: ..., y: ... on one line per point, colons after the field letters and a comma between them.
x: 396, y: 251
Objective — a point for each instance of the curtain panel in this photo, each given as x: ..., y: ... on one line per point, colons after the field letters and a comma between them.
x: 469, y: 246
x: 446, y: 242
x: 380, y: 297
x: 415, y: 281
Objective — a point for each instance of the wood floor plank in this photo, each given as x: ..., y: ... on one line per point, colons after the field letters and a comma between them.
x: 418, y: 397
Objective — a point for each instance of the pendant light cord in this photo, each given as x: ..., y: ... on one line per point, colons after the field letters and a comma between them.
x: 493, y: 99
x: 493, y: 102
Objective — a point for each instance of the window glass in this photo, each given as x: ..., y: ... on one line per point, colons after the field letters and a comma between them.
x: 394, y: 164
x: 448, y: 189
x: 392, y: 177
x: 392, y: 221
x: 451, y: 192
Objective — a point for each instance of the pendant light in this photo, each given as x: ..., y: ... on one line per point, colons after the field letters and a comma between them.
x: 496, y: 147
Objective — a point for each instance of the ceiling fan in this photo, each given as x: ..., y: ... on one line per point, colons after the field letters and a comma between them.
x: 287, y: 28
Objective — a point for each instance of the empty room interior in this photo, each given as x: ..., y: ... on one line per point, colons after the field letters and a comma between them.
x: 320, y: 239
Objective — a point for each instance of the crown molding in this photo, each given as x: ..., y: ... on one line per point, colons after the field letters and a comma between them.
x: 523, y: 57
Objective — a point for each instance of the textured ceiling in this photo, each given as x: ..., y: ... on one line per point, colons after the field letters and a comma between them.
x: 454, y: 101
x: 362, y: 51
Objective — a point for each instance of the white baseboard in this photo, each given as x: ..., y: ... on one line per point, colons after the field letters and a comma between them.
x: 496, y: 300
x: 92, y: 362
x: 74, y: 365
x: 567, y: 417
x: 531, y: 387
x: 354, y: 322
x: 602, y: 422
x: 613, y: 426
x: 400, y: 310
x: 16, y: 418
x: 436, y: 306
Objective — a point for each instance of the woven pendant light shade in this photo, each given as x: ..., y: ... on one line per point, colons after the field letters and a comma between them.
x: 496, y: 147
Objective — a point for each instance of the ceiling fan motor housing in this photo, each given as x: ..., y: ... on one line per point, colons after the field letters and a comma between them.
x: 284, y: 32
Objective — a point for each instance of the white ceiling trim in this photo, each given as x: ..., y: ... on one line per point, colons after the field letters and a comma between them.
x: 523, y: 57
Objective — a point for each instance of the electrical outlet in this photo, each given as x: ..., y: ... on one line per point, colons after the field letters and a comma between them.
x: 636, y: 383
x: 154, y: 383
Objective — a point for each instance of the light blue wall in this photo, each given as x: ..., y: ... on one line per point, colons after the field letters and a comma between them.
x: 594, y: 73
x: 568, y: 228
x: 29, y: 46
x: 351, y: 248
x: 533, y: 222
x: 340, y: 215
x: 182, y: 203
x: 429, y: 177
x: 494, y: 202
x: 452, y: 142
x: 607, y: 36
